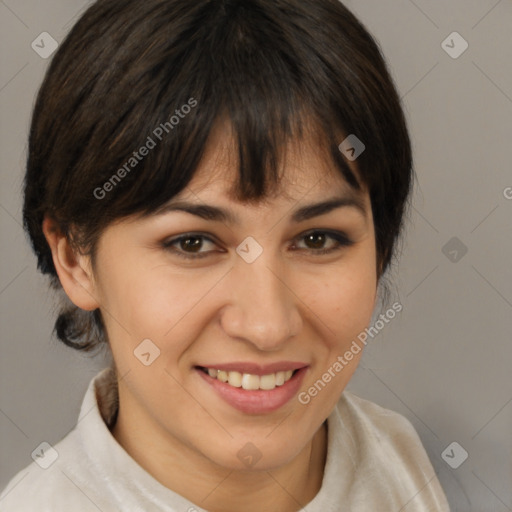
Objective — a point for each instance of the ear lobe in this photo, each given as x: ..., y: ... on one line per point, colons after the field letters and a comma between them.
x: 72, y: 268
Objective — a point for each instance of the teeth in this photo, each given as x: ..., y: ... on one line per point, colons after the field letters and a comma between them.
x: 235, y: 379
x: 280, y: 378
x: 222, y: 376
x: 268, y: 381
x: 249, y: 381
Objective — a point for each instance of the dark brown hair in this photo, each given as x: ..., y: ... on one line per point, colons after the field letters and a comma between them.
x: 270, y: 67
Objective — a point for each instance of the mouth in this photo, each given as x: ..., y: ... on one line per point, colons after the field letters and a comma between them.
x: 252, y: 389
x: 249, y: 381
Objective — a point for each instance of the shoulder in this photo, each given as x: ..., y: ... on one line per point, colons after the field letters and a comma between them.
x: 50, y: 483
x: 381, y: 432
x: 63, y: 477
x: 381, y: 423
x: 390, y: 453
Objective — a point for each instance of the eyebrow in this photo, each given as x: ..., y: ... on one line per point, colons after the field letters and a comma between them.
x: 215, y: 213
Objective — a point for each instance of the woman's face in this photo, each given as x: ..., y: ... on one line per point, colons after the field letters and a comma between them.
x: 263, y: 289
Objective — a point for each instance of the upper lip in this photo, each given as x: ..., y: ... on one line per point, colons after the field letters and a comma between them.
x: 255, y: 368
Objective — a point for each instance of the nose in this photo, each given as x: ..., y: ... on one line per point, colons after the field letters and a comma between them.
x: 262, y: 308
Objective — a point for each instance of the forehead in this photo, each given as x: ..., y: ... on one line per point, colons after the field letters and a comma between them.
x: 305, y: 168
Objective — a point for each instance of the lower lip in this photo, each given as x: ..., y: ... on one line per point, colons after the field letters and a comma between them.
x: 256, y: 401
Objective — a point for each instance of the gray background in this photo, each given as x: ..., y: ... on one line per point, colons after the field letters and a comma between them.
x: 444, y: 362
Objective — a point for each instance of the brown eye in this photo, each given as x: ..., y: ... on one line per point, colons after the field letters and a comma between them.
x: 192, y: 243
x: 189, y: 245
x: 315, y: 241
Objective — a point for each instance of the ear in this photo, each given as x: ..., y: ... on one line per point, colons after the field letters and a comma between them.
x: 73, y: 269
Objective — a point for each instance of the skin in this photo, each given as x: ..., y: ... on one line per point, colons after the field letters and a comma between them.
x: 290, y: 304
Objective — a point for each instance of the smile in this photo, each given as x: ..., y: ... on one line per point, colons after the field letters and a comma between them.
x: 254, y: 389
x: 249, y: 381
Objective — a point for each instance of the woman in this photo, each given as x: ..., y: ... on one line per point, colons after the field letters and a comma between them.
x: 218, y: 187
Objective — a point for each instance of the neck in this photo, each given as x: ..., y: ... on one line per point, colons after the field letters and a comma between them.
x: 287, y: 488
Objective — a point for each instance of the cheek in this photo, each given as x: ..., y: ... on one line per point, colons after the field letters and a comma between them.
x: 151, y: 301
x: 345, y: 299
x: 352, y: 305
x: 345, y: 305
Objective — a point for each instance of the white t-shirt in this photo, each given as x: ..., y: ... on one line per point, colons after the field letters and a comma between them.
x: 375, y: 462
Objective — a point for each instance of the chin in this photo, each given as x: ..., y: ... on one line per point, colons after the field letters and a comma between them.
x: 255, y: 455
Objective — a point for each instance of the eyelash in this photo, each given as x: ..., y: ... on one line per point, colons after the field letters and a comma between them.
x: 342, y: 242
